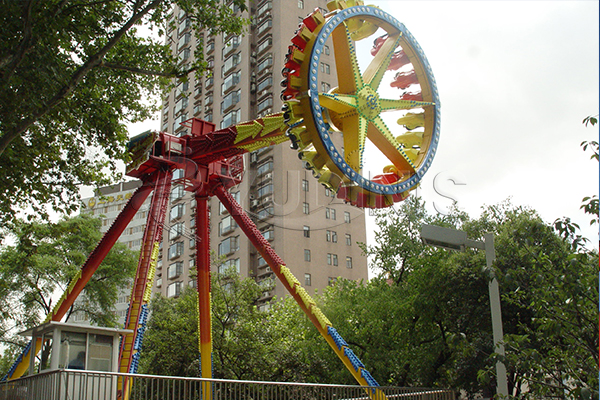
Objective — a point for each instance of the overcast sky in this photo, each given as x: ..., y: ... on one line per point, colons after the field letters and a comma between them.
x: 516, y: 79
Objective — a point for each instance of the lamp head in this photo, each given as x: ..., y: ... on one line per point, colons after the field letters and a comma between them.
x: 446, y: 238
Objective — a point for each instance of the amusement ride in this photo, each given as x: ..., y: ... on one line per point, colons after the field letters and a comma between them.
x: 387, y: 96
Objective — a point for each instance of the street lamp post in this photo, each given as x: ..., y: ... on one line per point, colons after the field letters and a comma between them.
x: 452, y: 239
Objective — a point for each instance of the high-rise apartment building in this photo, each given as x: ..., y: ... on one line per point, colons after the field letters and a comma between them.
x: 315, y: 233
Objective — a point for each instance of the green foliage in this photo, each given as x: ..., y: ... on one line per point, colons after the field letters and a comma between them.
x: 42, y: 261
x: 71, y: 76
x: 425, y: 320
x: 590, y: 203
x: 436, y: 319
x: 592, y: 120
x: 171, y: 340
x: 238, y: 330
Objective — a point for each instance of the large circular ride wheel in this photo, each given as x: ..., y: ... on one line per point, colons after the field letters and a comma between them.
x: 372, y: 138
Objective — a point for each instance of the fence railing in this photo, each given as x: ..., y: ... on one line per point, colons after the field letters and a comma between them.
x: 88, y: 385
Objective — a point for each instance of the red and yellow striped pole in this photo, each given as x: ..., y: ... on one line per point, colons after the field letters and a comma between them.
x: 203, y: 281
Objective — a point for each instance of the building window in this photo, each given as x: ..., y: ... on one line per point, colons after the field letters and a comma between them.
x: 325, y: 87
x: 230, y: 81
x: 230, y: 63
x: 326, y: 49
x: 307, y: 280
x: 178, y: 174
x: 178, y: 121
x: 330, y: 213
x: 331, y: 281
x: 236, y: 197
x: 181, y: 105
x: 325, y: 68
x: 264, y: 26
x: 231, y: 44
x: 176, y: 231
x: 229, y: 265
x: 175, y: 250
x: 175, y: 269
x: 264, y: 8
x: 266, y: 103
x: 174, y: 289
x: 348, y: 262
x: 231, y: 118
x: 210, y: 47
x: 332, y: 259
x: 230, y: 100
x: 264, y: 168
x: 177, y: 192
x: 269, y: 235
x: 265, y: 213
x: 184, y: 55
x: 264, y: 45
x: 347, y: 217
x: 265, y: 83
x: 183, y: 40
x: 306, y: 231
x: 304, y: 185
x: 306, y: 255
x: 265, y: 190
x: 228, y: 246
x: 301, y: 4
x: 265, y: 63
x: 331, y: 236
x: 348, y: 240
x: 177, y: 211
x: 226, y: 225
x: 305, y: 208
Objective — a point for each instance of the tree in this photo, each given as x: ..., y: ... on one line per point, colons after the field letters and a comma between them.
x: 442, y: 337
x: 71, y: 75
x: 241, y: 337
x: 42, y: 262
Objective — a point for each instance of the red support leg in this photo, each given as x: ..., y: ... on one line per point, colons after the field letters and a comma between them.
x: 203, y: 281
x: 306, y: 303
x: 87, y: 270
x: 144, y: 279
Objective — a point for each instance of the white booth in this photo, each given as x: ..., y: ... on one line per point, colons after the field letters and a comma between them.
x: 78, y: 347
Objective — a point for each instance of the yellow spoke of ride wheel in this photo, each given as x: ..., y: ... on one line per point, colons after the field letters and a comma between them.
x: 389, y: 104
x: 348, y: 71
x: 340, y: 103
x: 378, y: 66
x: 380, y: 135
x: 355, y: 135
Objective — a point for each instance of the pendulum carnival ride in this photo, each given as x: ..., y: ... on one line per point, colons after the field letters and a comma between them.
x: 329, y: 130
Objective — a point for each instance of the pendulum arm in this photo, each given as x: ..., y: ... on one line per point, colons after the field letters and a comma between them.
x: 306, y: 303
x: 85, y: 274
x: 203, y: 281
x: 129, y: 352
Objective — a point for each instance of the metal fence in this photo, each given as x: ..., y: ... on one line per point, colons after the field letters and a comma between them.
x: 87, y: 385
